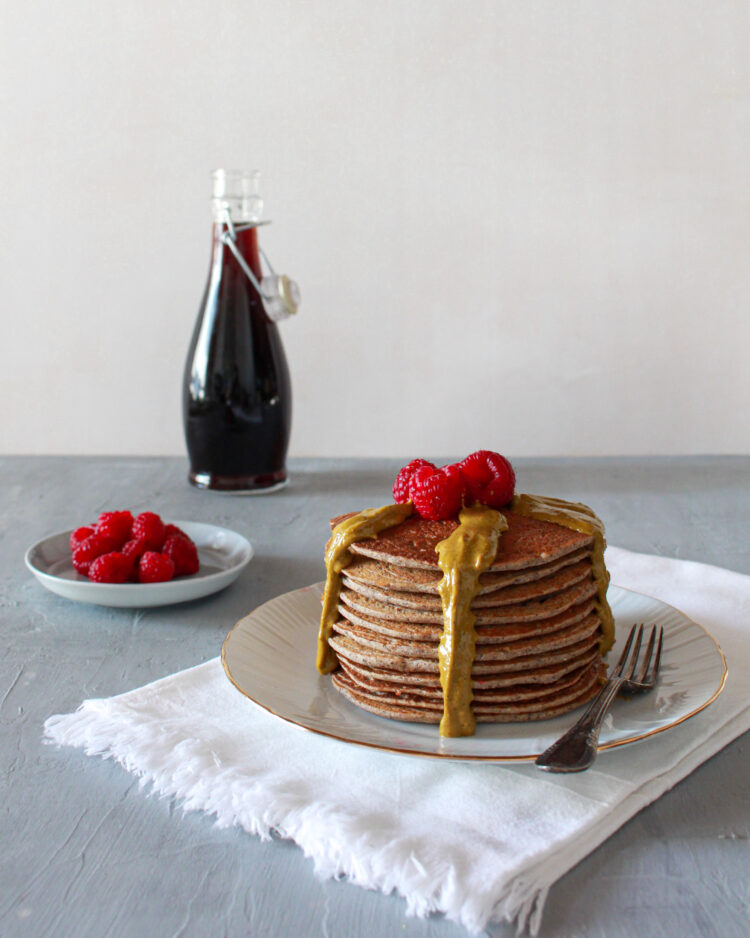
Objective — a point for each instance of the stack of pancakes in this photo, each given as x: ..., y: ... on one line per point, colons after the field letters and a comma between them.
x: 538, y: 630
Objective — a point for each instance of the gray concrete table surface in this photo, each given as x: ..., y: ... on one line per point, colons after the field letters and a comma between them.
x: 87, y: 853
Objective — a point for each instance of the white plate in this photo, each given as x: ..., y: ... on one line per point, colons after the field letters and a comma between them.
x: 223, y: 554
x: 270, y: 657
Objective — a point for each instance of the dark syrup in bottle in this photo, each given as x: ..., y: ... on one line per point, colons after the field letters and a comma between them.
x: 237, y: 399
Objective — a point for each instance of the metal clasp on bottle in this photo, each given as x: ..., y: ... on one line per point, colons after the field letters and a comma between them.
x: 279, y: 293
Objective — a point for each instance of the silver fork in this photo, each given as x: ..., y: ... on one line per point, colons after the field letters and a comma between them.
x: 576, y: 750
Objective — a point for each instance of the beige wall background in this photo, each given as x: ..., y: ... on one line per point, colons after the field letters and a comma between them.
x: 516, y: 225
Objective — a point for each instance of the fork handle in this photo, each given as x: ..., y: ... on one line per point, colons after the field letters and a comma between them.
x: 576, y: 749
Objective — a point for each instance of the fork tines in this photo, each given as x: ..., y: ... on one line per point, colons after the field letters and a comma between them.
x: 649, y: 670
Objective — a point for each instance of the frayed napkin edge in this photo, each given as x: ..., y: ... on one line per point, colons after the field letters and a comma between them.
x: 96, y: 729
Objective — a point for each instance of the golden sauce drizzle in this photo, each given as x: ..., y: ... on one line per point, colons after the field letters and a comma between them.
x: 576, y: 517
x: 366, y: 524
x: 462, y: 557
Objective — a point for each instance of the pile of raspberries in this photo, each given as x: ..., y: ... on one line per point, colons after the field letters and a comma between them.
x: 484, y: 478
x: 120, y: 548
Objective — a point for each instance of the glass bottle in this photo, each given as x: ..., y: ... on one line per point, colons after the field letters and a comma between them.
x: 237, y: 399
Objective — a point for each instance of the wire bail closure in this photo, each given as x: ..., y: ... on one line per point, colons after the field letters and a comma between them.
x: 279, y: 293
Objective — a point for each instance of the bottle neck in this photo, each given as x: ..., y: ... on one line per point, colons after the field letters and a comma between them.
x: 247, y: 243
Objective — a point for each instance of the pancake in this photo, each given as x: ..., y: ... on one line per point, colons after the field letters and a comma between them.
x: 526, y: 543
x: 393, y: 577
x: 516, y: 692
x: 498, y: 632
x: 507, y: 651
x: 497, y: 713
x: 531, y: 646
x: 528, y: 611
x: 549, y: 674
x: 503, y: 596
x: 536, y: 698
x: 350, y: 649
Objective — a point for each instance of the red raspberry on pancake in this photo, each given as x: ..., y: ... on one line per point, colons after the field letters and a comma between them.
x: 437, y: 493
x: 489, y: 479
x: 401, y: 493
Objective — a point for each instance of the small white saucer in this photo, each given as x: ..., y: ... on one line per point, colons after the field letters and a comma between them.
x: 223, y: 554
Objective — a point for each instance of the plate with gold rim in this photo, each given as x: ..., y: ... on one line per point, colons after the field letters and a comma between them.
x: 269, y: 656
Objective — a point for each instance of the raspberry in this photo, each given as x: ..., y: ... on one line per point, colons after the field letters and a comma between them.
x: 184, y: 555
x: 437, y: 493
x: 149, y: 527
x: 155, y: 568
x: 86, y: 552
x: 79, y: 536
x: 115, y: 524
x: 133, y: 550
x: 170, y: 530
x: 113, y: 567
x: 489, y: 478
x: 403, y: 479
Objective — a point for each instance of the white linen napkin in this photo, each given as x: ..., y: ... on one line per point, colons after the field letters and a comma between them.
x: 475, y: 842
